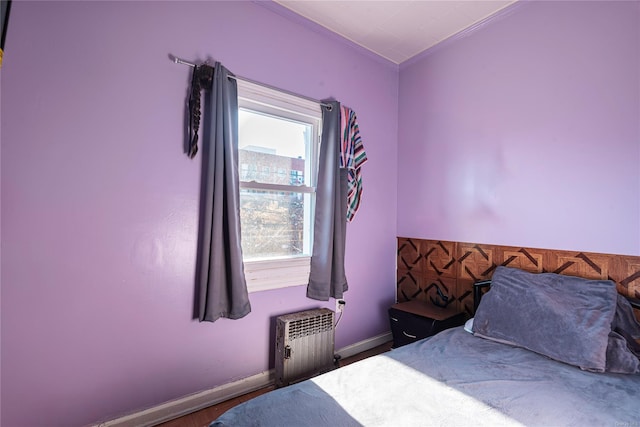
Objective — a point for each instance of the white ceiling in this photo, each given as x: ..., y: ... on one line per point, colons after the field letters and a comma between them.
x: 396, y: 29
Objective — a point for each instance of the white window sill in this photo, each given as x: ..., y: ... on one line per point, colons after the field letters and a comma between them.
x: 276, y: 274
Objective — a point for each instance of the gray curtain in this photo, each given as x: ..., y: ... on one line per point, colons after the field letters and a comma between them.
x: 222, y: 285
x: 327, y: 278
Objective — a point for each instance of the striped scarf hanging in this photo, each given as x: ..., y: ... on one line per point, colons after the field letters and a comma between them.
x: 352, y: 157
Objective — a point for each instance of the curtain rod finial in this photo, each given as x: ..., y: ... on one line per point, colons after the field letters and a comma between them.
x: 177, y: 60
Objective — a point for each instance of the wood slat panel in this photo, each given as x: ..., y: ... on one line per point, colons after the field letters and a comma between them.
x: 439, y: 258
x: 410, y: 254
x: 424, y: 266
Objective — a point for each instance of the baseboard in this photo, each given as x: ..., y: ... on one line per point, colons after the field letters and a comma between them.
x: 194, y: 402
x: 368, y: 344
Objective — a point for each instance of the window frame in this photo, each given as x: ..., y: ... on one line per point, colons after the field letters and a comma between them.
x: 287, y: 271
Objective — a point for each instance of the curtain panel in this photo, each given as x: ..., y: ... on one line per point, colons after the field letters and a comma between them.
x: 327, y: 278
x: 220, y: 275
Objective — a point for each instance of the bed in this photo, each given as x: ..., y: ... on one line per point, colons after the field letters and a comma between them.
x: 542, y: 349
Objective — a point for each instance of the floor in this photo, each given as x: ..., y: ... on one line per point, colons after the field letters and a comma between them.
x: 205, y: 416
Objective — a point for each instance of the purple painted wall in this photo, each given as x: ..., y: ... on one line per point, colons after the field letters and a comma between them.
x: 99, y: 204
x: 527, y: 131
x: 524, y: 132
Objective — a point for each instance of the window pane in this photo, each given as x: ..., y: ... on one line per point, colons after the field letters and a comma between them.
x: 274, y: 149
x: 273, y: 224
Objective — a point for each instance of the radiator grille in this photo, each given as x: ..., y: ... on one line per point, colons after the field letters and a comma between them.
x: 304, y: 345
x: 311, y: 325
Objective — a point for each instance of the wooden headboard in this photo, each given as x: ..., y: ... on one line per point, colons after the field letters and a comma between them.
x: 443, y: 272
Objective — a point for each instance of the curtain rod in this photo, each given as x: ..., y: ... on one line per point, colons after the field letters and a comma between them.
x: 177, y: 60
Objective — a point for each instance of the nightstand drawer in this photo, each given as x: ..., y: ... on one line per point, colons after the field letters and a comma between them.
x: 415, y: 320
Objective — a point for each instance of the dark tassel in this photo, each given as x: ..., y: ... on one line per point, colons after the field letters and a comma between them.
x: 201, y: 79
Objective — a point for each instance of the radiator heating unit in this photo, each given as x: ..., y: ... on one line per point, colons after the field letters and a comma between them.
x: 304, y: 345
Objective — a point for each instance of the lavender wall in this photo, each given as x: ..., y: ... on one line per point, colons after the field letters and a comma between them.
x: 527, y: 131
x: 99, y: 204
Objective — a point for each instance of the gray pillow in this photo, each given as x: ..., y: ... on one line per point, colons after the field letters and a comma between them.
x: 562, y: 317
x: 623, y: 351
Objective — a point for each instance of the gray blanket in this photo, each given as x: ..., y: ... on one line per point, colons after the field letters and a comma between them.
x: 452, y: 379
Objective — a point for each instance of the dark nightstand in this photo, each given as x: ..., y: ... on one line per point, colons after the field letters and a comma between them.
x: 414, y: 320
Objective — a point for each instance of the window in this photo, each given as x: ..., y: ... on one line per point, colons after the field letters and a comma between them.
x: 279, y: 137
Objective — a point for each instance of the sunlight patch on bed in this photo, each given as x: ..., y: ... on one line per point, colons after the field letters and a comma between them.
x: 395, y: 386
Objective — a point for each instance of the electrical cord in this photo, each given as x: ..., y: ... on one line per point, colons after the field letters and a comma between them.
x: 339, y: 317
x: 341, y: 304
